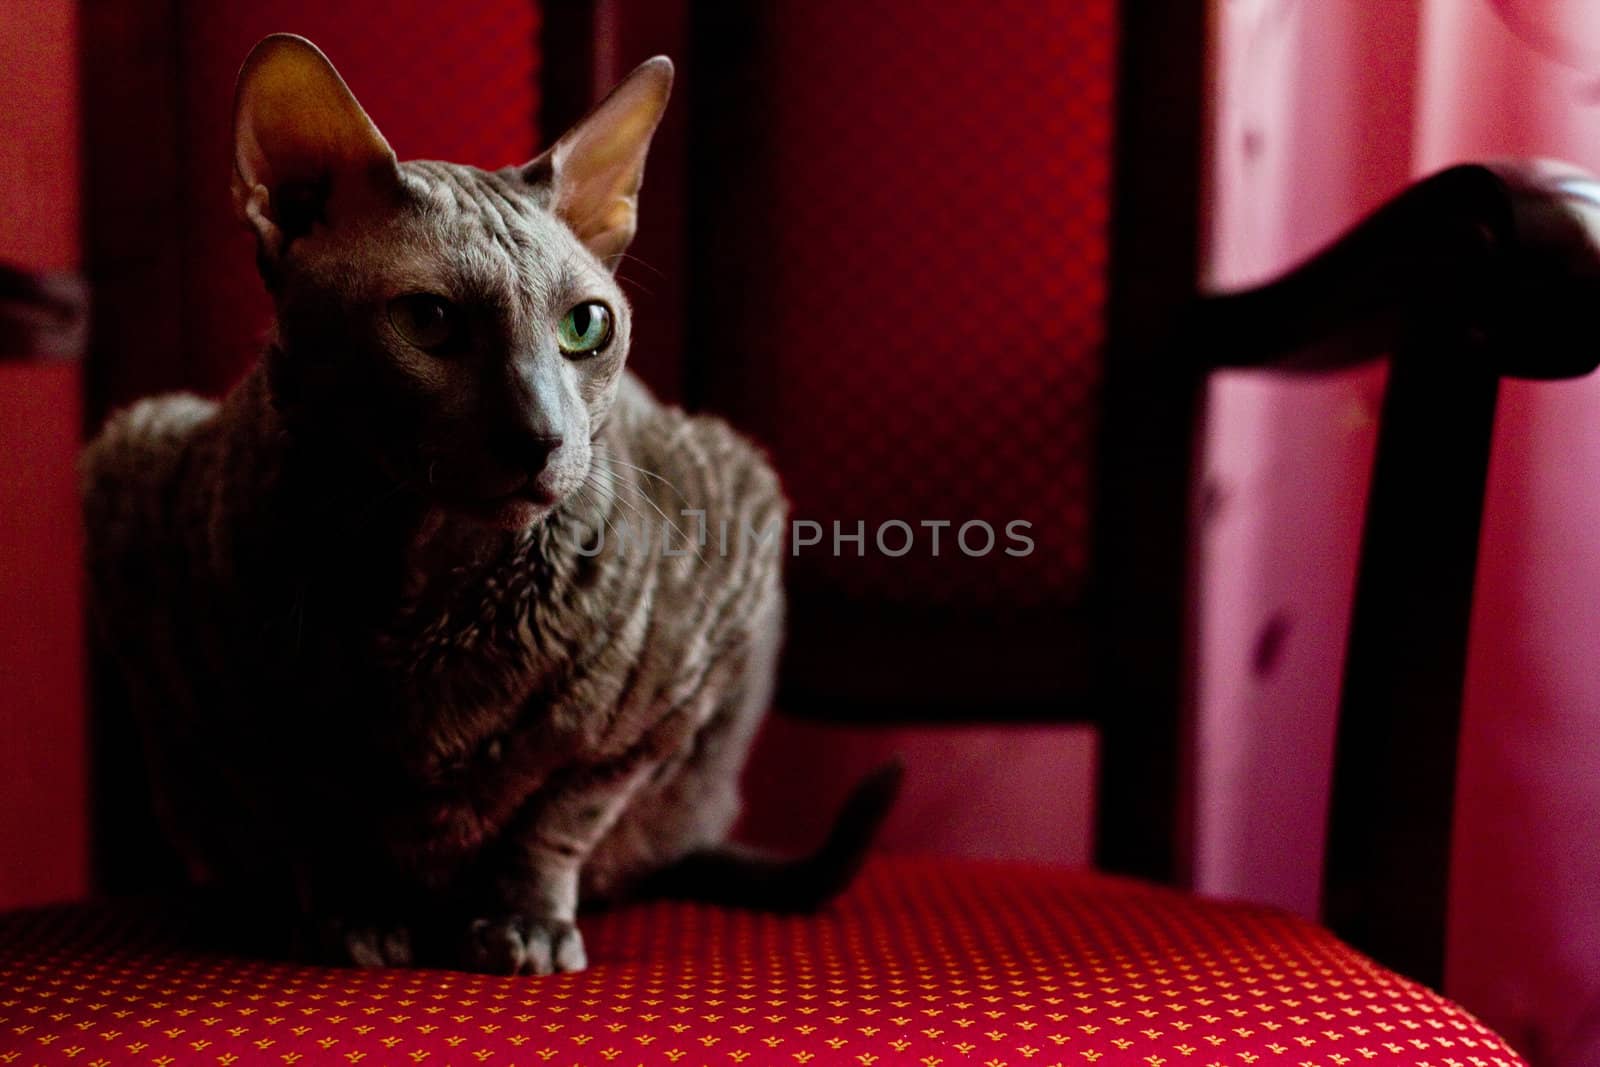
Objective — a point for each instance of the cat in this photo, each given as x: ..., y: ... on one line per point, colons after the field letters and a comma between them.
x: 384, y: 665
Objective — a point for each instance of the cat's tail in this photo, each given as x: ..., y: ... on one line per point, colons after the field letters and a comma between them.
x: 741, y: 877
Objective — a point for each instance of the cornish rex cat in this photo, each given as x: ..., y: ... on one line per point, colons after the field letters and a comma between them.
x: 383, y: 656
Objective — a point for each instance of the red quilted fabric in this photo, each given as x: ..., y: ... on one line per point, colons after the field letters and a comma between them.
x: 922, y: 963
x: 931, y: 297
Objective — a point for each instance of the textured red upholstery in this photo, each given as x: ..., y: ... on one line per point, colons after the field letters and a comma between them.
x: 932, y: 284
x: 922, y: 963
x: 42, y: 774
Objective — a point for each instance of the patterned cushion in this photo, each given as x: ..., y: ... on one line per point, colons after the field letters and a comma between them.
x: 923, y: 962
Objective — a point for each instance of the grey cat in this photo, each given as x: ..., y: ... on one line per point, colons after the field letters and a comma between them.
x: 383, y: 659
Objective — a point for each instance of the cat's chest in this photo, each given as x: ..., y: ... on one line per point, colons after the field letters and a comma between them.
x: 532, y: 665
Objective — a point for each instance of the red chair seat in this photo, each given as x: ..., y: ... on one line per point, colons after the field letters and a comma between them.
x: 923, y: 962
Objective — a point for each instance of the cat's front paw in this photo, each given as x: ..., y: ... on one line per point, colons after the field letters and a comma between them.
x: 365, y: 944
x: 519, y: 944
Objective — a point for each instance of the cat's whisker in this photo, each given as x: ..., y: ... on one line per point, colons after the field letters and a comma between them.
x: 610, y: 481
x: 619, y: 479
x: 617, y: 538
x: 601, y: 450
x: 584, y: 488
x: 613, y: 485
x: 630, y: 257
x: 636, y: 283
x: 693, y: 545
x: 609, y: 458
x: 622, y: 501
x: 638, y: 490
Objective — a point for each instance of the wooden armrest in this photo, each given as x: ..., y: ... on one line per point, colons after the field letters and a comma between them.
x: 1506, y: 256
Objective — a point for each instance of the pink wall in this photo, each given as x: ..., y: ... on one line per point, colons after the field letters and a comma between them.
x: 1525, y: 924
x: 1349, y: 99
x: 1311, y: 130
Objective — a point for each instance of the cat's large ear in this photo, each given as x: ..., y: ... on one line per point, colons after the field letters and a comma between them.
x: 304, y: 151
x: 595, y: 169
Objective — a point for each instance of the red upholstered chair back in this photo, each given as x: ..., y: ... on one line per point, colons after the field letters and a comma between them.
x: 928, y: 245
x: 903, y: 216
x: 928, y: 296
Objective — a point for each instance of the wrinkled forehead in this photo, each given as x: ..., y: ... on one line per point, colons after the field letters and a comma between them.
x: 487, y: 235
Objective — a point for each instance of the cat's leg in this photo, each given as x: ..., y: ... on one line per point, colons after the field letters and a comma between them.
x: 672, y: 840
x: 358, y: 910
x: 693, y: 799
x: 364, y: 943
x: 530, y: 922
x: 265, y: 899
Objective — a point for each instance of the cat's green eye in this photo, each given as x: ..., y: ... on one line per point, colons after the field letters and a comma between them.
x: 423, y: 319
x: 584, y: 329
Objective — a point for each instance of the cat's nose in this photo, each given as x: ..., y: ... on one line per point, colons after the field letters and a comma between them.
x: 530, y: 452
